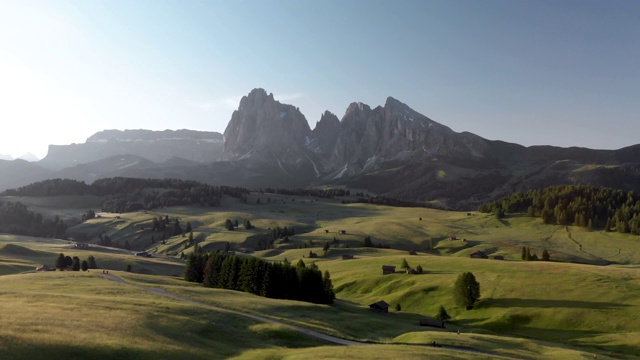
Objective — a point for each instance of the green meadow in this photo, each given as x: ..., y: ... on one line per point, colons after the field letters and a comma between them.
x: 585, y: 302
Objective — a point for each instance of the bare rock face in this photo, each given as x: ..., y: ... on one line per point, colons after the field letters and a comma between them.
x: 368, y: 137
x: 157, y: 146
x: 263, y: 129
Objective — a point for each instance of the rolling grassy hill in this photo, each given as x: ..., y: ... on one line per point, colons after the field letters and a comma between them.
x: 568, y: 309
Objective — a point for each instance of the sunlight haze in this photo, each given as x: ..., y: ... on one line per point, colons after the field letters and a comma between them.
x: 560, y: 73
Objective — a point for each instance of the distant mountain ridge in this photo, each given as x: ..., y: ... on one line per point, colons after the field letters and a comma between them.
x: 390, y: 150
x: 156, y: 146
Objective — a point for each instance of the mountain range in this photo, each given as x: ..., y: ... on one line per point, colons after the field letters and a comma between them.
x: 388, y: 150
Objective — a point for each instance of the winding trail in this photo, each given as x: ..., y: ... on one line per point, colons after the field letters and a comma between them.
x: 606, y: 262
x: 309, y: 332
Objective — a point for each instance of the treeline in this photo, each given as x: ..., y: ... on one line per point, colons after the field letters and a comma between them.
x: 321, y: 193
x: 15, y: 218
x: 578, y: 205
x: 381, y: 200
x: 260, y: 277
x: 132, y: 194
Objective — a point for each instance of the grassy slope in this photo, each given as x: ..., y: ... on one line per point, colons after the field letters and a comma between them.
x: 81, y: 315
x: 398, y: 227
x: 568, y: 303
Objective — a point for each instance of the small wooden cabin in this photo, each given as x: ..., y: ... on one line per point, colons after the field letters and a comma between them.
x: 380, y: 306
x: 388, y: 269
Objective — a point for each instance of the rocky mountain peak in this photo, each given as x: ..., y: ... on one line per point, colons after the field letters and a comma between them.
x: 264, y: 126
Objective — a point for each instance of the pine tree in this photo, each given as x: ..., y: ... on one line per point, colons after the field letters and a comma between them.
x: 327, y: 285
x: 419, y: 269
x: 92, y: 262
x: 524, y: 253
x: 75, y: 266
x: 398, y: 307
x: 85, y: 265
x: 228, y: 225
x: 442, y: 314
x: 368, y: 242
x: 61, y: 263
x: 404, y: 264
x: 545, y: 255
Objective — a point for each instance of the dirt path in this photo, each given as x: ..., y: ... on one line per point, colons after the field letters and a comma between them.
x: 309, y: 332
x: 315, y: 334
x: 606, y: 262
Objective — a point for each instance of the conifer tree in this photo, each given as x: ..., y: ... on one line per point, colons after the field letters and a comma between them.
x: 75, y: 266
x: 442, y: 314
x: 61, y: 263
x: 404, y: 264
x: 466, y: 290
x: 545, y: 255
x: 91, y: 261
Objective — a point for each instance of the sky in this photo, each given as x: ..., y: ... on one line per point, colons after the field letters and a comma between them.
x: 533, y: 72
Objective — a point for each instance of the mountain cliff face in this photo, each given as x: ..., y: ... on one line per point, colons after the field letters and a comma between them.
x: 156, y: 146
x: 264, y: 130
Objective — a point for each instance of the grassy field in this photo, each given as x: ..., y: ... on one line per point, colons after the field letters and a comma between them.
x: 572, y: 307
x: 81, y: 315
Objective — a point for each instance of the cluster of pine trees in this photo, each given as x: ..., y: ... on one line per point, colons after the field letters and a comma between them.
x: 260, y: 277
x: 73, y: 263
x: 15, y: 218
x: 578, y: 205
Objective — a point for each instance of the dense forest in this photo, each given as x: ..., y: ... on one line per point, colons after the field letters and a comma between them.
x: 579, y: 205
x: 15, y: 218
x: 132, y: 194
x: 260, y: 277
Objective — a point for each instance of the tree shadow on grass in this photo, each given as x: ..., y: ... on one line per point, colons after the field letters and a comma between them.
x: 536, y: 303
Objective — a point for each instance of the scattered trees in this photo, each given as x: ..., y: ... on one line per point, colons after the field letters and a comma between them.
x: 466, y: 290
x: 64, y: 262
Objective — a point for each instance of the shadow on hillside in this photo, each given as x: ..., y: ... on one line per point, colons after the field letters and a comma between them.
x: 20, y: 349
x: 534, y: 303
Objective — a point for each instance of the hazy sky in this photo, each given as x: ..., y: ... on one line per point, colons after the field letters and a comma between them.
x: 557, y: 72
